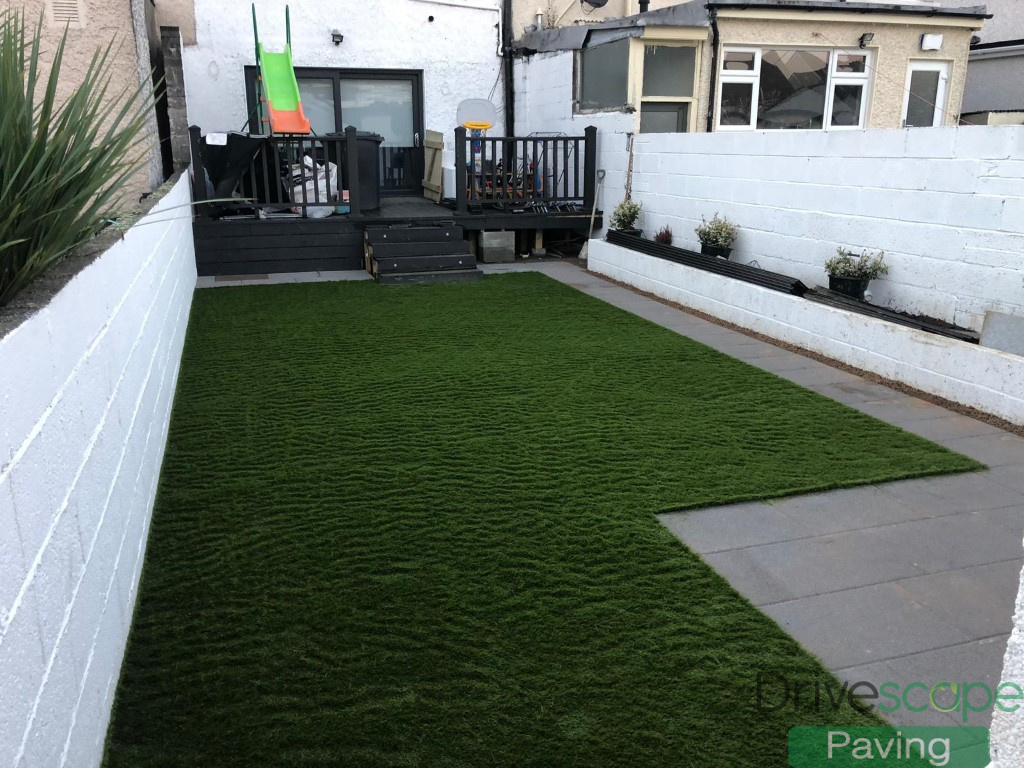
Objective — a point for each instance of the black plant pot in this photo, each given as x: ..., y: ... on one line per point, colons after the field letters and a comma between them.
x: 720, y: 251
x: 854, y: 287
x: 631, y: 231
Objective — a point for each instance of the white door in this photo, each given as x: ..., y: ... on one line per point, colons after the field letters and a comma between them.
x: 924, y: 104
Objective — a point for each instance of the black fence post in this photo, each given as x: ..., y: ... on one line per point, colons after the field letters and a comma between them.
x: 590, y: 168
x: 195, y: 138
x: 461, y: 171
x: 352, y: 171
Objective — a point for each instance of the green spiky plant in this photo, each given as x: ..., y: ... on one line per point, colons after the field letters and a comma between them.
x: 63, y: 162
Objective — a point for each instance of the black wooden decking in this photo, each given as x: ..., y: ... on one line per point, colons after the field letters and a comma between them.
x: 247, y: 245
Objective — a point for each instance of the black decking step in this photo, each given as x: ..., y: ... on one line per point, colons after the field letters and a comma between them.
x: 438, y: 234
x: 430, y: 263
x: 419, y: 278
x: 388, y: 249
x: 747, y: 274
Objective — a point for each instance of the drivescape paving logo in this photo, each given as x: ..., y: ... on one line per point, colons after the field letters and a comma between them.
x: 775, y: 692
x: 945, y: 746
x: 950, y: 746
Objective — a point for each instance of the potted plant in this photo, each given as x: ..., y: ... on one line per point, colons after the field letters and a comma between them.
x: 716, y: 236
x: 663, y: 236
x: 849, y: 274
x: 624, y: 217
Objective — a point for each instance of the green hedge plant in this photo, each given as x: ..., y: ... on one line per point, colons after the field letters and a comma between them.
x: 62, y: 161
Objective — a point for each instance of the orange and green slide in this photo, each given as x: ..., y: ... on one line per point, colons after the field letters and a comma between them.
x: 280, y: 102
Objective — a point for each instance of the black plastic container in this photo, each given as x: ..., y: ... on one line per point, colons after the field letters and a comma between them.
x: 720, y: 251
x: 368, y: 161
x: 854, y: 287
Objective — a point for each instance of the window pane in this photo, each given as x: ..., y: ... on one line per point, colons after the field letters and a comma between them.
x: 850, y: 63
x: 924, y: 92
x: 318, y: 104
x: 846, y: 101
x: 668, y: 70
x: 604, y: 71
x: 792, y: 89
x: 664, y: 118
x: 737, y: 102
x: 380, y: 106
x: 738, y: 61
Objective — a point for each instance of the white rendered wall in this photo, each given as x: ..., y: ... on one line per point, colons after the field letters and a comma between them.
x: 1007, y: 732
x: 457, y: 51
x: 544, y: 94
x: 979, y: 377
x: 86, y: 386
x: 945, y: 204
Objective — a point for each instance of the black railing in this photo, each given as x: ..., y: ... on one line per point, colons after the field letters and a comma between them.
x: 525, y: 172
x: 285, y: 174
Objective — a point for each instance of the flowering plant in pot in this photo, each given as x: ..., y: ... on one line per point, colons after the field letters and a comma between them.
x: 716, y: 236
x: 849, y: 274
x: 625, y: 215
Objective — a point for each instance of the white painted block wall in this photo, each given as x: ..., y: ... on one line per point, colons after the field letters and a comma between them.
x: 945, y: 204
x: 982, y: 378
x: 86, y: 387
x: 544, y: 93
x: 457, y: 51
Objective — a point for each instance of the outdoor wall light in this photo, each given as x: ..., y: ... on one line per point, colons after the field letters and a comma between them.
x: 866, y: 38
x: 336, y: 37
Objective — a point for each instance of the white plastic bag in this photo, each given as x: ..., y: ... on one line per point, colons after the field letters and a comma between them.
x: 320, y: 185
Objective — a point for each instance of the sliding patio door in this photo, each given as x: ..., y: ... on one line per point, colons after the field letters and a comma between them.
x: 386, y: 102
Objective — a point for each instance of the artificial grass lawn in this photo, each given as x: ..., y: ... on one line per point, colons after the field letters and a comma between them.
x: 415, y: 527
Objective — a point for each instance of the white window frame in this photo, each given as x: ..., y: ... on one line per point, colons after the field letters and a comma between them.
x: 836, y: 77
x: 753, y: 77
x: 944, y: 68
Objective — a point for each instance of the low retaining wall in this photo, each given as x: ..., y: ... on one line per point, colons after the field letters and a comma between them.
x: 86, y: 386
x: 982, y: 378
x: 945, y: 204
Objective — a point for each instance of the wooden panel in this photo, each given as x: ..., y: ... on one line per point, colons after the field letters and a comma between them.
x: 433, y: 148
x: 214, y: 268
x: 207, y: 228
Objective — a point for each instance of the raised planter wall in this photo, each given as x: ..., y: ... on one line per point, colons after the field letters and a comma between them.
x: 975, y: 376
x: 945, y: 204
x: 86, y: 386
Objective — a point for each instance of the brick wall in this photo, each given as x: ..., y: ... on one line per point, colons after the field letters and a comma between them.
x: 86, y: 386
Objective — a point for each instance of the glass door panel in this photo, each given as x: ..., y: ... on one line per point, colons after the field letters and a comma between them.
x: 387, y: 107
x: 318, y: 103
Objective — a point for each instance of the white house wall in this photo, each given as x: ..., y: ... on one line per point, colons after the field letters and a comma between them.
x: 544, y: 96
x: 87, y: 387
x: 945, y: 204
x: 457, y: 51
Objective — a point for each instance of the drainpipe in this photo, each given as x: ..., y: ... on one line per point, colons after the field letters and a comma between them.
x: 508, y: 68
x: 715, y: 43
x: 645, y: 5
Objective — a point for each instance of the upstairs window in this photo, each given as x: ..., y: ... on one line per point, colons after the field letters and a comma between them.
x: 793, y: 89
x: 668, y: 86
x: 603, y: 76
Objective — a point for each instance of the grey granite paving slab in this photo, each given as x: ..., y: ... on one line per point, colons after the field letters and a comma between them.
x: 974, y: 598
x: 951, y: 494
x: 834, y: 562
x: 845, y: 510
x: 732, y: 527
x: 997, y: 450
x: 859, y: 626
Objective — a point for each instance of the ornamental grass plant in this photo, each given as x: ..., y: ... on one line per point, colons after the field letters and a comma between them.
x: 63, y: 160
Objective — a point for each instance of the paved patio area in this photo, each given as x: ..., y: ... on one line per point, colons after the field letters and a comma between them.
x: 901, y: 582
